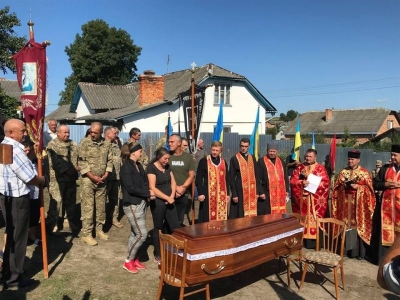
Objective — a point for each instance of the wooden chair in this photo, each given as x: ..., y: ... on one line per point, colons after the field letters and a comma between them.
x: 333, y: 233
x: 297, y: 255
x: 173, y: 272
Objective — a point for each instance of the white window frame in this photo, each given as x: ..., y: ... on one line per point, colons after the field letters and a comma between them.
x: 225, y: 89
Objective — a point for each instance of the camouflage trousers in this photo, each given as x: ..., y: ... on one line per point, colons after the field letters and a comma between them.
x: 113, y: 210
x: 93, y: 205
x: 62, y: 200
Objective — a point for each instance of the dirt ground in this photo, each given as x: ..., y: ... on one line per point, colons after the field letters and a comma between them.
x: 78, y: 271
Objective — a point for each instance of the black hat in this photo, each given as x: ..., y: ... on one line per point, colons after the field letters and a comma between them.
x: 396, y: 148
x: 354, y: 154
x: 272, y: 146
x: 135, y: 148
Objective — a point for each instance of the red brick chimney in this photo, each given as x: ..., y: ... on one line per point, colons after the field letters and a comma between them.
x: 151, y: 88
x: 328, y: 114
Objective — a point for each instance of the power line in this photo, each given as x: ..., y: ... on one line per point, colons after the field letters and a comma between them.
x: 335, y: 92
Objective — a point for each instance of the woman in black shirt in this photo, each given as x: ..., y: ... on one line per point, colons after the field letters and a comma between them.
x: 162, y: 183
x: 135, y: 192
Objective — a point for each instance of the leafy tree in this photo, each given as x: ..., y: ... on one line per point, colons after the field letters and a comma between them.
x: 8, y: 105
x: 348, y: 140
x: 10, y: 43
x: 319, y: 137
x: 289, y: 116
x: 101, y: 54
x: 272, y: 131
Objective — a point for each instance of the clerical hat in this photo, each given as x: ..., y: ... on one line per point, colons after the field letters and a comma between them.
x: 354, y: 154
x: 272, y: 146
x: 396, y: 148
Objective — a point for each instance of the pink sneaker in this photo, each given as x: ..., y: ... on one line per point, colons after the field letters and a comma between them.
x: 130, y: 266
x: 139, y: 265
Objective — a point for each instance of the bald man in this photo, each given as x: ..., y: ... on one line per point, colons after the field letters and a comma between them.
x: 63, y: 166
x: 15, y: 204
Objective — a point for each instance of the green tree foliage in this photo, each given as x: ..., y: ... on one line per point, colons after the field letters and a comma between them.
x: 289, y: 116
x: 319, y: 137
x: 348, y: 140
x: 272, y: 131
x: 10, y: 43
x: 385, y: 145
x: 101, y: 54
x: 8, y: 105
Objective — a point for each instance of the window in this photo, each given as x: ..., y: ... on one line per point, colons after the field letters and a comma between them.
x: 389, y: 124
x: 222, y: 93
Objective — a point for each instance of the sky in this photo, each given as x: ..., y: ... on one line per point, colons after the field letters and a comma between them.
x: 301, y: 55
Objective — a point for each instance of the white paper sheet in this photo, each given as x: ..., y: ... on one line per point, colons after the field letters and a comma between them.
x: 314, y: 182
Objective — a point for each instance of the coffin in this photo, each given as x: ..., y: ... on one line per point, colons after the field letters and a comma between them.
x: 223, y: 248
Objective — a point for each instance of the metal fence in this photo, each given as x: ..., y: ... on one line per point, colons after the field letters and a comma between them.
x: 231, y: 146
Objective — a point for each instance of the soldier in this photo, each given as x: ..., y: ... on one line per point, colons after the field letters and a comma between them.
x: 135, y: 135
x: 63, y: 166
x: 162, y: 141
x: 113, y: 178
x: 95, y: 163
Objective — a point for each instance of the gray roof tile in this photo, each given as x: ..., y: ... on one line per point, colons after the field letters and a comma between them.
x: 11, y: 88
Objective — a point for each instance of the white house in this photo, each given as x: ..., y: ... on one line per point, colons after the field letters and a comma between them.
x: 146, y: 103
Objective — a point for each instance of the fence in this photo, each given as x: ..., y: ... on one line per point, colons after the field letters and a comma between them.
x: 231, y: 146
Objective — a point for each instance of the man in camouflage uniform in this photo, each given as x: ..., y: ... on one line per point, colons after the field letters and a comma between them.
x: 162, y: 141
x: 112, y: 182
x: 95, y: 163
x: 135, y: 135
x: 63, y: 164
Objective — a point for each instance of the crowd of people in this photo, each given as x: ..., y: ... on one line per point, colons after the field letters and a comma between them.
x: 118, y: 177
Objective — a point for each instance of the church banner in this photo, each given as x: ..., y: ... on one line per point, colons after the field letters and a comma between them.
x: 186, y: 100
x: 31, y: 67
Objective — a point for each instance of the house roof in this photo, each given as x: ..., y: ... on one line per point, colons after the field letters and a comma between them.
x: 61, y: 114
x: 11, y: 88
x: 367, y: 120
x: 122, y: 100
x: 387, y: 133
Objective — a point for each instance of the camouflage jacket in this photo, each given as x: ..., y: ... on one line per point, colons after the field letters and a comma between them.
x: 95, y: 157
x: 162, y: 142
x: 116, y: 161
x: 62, y: 156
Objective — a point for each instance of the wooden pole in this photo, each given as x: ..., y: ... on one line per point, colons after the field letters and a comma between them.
x: 43, y: 223
x: 192, y: 133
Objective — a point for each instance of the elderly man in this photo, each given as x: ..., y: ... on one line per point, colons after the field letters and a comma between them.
x: 51, y: 133
x: 212, y: 183
x: 95, y: 163
x: 182, y: 166
x: 274, y: 183
x: 244, y: 177
x: 353, y: 201
x: 388, y: 181
x: 311, y: 204
x: 63, y: 165
x: 113, y: 178
x: 134, y: 136
x: 15, y: 204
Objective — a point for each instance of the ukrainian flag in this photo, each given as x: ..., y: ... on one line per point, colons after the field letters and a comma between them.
x: 255, y: 135
x: 219, y: 128
x: 313, y: 141
x: 297, y: 142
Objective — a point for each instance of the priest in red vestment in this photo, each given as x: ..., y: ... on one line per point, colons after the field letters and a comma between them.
x: 308, y: 203
x: 213, y: 186
x: 388, y: 206
x: 353, y: 201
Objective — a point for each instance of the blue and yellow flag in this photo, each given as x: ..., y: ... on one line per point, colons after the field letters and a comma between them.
x: 219, y: 128
x: 313, y: 141
x: 254, y: 138
x: 297, y: 142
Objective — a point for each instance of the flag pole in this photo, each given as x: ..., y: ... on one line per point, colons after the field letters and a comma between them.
x: 192, y: 133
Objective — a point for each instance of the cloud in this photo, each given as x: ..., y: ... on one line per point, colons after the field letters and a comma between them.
x: 380, y: 100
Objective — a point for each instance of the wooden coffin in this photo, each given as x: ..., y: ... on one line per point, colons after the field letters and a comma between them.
x: 223, y: 248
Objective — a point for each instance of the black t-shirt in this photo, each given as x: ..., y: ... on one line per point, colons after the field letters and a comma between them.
x: 163, y: 179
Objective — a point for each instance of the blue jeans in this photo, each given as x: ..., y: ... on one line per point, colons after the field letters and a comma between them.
x: 136, y: 215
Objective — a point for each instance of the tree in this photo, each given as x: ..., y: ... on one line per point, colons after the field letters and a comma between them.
x: 348, y: 140
x: 100, y: 55
x: 290, y: 116
x: 8, y: 105
x: 10, y: 43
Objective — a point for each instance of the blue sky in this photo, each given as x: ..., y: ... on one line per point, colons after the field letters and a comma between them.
x: 301, y: 55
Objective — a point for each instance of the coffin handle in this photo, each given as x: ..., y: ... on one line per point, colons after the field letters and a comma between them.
x: 293, y: 242
x: 220, y: 267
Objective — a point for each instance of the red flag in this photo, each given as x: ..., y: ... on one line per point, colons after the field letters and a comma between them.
x: 332, y: 153
x: 31, y: 67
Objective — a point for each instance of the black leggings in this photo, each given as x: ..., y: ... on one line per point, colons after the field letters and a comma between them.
x: 162, y: 213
